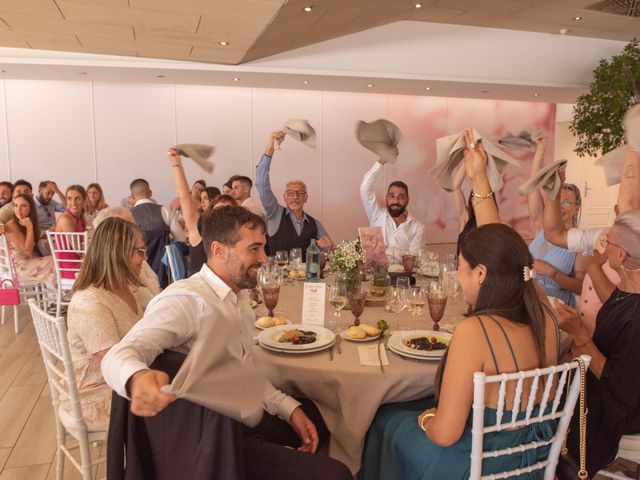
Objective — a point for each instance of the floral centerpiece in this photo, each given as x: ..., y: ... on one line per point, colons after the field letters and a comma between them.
x: 347, y: 259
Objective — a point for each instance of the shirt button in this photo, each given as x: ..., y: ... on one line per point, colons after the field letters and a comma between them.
x: 581, y: 314
x: 585, y: 301
x: 590, y: 288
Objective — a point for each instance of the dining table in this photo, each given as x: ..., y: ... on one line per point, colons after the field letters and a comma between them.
x: 347, y: 393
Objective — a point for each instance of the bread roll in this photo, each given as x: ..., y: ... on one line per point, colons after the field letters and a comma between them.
x: 280, y: 320
x: 356, y: 332
x: 370, y: 330
x: 266, y: 322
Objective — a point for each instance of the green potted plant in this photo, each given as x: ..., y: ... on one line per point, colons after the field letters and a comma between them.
x: 597, y: 115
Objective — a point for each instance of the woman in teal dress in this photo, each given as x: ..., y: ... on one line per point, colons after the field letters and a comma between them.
x: 508, y: 330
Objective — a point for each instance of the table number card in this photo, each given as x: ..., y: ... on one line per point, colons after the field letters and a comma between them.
x: 313, y: 303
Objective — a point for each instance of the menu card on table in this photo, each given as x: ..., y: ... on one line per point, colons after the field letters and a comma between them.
x: 373, y: 355
x: 313, y: 303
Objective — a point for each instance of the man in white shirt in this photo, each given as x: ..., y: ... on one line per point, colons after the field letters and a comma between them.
x: 401, y: 232
x: 241, y: 192
x: 235, y: 250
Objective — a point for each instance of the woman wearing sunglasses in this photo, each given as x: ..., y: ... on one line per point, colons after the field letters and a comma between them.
x: 104, y: 307
x: 560, y: 273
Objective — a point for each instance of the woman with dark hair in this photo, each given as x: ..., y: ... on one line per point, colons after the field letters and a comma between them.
x: 207, y: 196
x: 509, y: 329
x: 559, y: 272
x: 72, y: 220
x: 223, y: 200
x: 103, y: 308
x: 23, y: 233
x: 95, y: 203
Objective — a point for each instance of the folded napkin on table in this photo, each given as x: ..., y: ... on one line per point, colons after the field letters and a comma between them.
x: 548, y: 178
x: 525, y: 140
x: 381, y: 137
x: 450, y: 152
x: 198, y: 153
x: 613, y: 160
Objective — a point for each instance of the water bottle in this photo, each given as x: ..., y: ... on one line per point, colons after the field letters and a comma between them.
x: 313, y: 262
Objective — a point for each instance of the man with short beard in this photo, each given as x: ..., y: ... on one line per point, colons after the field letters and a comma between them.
x: 6, y: 193
x: 234, y: 239
x: 47, y: 206
x: 402, y: 233
x: 20, y: 187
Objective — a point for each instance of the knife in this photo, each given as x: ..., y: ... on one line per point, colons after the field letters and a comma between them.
x: 338, y: 342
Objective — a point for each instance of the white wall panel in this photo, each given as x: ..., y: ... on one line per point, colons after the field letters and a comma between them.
x: 345, y: 161
x: 5, y: 172
x: 49, y: 125
x: 134, y: 124
x: 270, y: 110
x: 221, y: 117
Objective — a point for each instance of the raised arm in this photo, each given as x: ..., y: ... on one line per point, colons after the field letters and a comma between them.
x: 59, y: 193
x: 554, y: 229
x: 263, y: 182
x: 367, y: 193
x: 629, y: 192
x: 475, y: 160
x: 189, y: 213
x: 534, y: 198
x: 458, y: 197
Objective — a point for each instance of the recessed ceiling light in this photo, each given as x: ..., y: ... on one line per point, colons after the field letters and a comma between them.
x: 308, y: 8
x: 428, y: 88
x: 224, y: 44
x: 2, y: 71
x: 564, y: 31
x: 536, y: 94
x: 577, y: 18
x: 370, y: 85
x: 81, y: 73
x: 236, y: 79
x: 484, y: 91
x: 159, y: 76
x: 418, y: 5
x: 306, y: 82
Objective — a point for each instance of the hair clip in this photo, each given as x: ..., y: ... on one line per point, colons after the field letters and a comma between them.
x: 528, y: 273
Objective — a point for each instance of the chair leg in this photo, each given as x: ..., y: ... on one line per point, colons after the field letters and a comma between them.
x: 58, y: 301
x: 15, y: 318
x: 85, y: 459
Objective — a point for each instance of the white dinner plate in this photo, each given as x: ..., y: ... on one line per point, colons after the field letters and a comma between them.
x: 269, y: 338
x: 412, y: 356
x: 312, y: 350
x: 397, y: 345
x: 264, y: 328
x: 344, y: 335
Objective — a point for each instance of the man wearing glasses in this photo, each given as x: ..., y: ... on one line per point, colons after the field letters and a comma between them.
x: 287, y: 227
x: 402, y: 233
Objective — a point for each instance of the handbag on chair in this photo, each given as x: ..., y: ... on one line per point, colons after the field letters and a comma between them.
x: 10, y: 295
x: 567, y: 468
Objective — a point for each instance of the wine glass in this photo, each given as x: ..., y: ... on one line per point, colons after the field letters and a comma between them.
x: 395, y: 302
x: 416, y: 300
x: 282, y: 258
x: 357, y: 300
x: 270, y: 294
x: 437, y: 300
x: 338, y: 298
x: 408, y: 263
x: 295, y: 257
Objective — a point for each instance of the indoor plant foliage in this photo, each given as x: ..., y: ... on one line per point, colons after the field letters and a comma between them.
x: 597, y: 115
x: 347, y: 256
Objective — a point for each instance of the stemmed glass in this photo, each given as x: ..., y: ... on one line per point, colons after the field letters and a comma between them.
x: 437, y: 300
x: 396, y: 301
x: 408, y: 263
x: 450, y: 284
x: 282, y: 258
x: 338, y: 298
x: 295, y: 257
x: 416, y: 300
x: 357, y: 300
x: 269, y: 281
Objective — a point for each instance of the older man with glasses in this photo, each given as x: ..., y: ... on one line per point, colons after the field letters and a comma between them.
x: 402, y: 233
x: 287, y: 226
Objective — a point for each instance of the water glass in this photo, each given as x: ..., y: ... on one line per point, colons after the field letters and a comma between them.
x: 282, y: 258
x: 338, y: 298
x: 357, y: 301
x: 437, y: 301
x: 408, y: 263
x: 403, y: 282
x: 416, y: 300
x: 295, y: 257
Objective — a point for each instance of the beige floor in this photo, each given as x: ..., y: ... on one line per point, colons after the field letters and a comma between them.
x: 27, y: 426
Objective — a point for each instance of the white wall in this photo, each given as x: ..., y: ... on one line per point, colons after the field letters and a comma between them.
x: 80, y: 132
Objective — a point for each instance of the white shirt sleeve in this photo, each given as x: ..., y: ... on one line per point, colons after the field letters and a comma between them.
x: 582, y: 241
x: 168, y: 322
x: 368, y: 195
x: 172, y: 220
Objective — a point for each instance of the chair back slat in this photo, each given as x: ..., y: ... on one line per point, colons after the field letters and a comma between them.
x: 533, y: 394
x: 68, y: 250
x: 7, y: 267
x: 557, y: 412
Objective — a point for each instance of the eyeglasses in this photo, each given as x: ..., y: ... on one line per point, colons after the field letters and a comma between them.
x: 295, y: 193
x: 567, y: 203
x: 604, y: 241
x: 142, y: 251
x: 400, y: 197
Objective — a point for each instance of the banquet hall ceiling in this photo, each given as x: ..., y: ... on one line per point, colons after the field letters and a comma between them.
x: 238, y: 31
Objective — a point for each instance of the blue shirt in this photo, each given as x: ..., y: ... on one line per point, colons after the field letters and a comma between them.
x: 47, y: 213
x: 271, y: 206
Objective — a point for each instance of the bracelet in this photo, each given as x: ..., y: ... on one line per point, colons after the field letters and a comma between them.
x: 477, y: 195
x: 178, y: 165
x: 584, y: 344
x: 423, y: 426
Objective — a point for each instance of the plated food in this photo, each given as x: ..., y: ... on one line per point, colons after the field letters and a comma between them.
x: 361, y: 332
x: 426, y: 343
x: 298, y: 337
